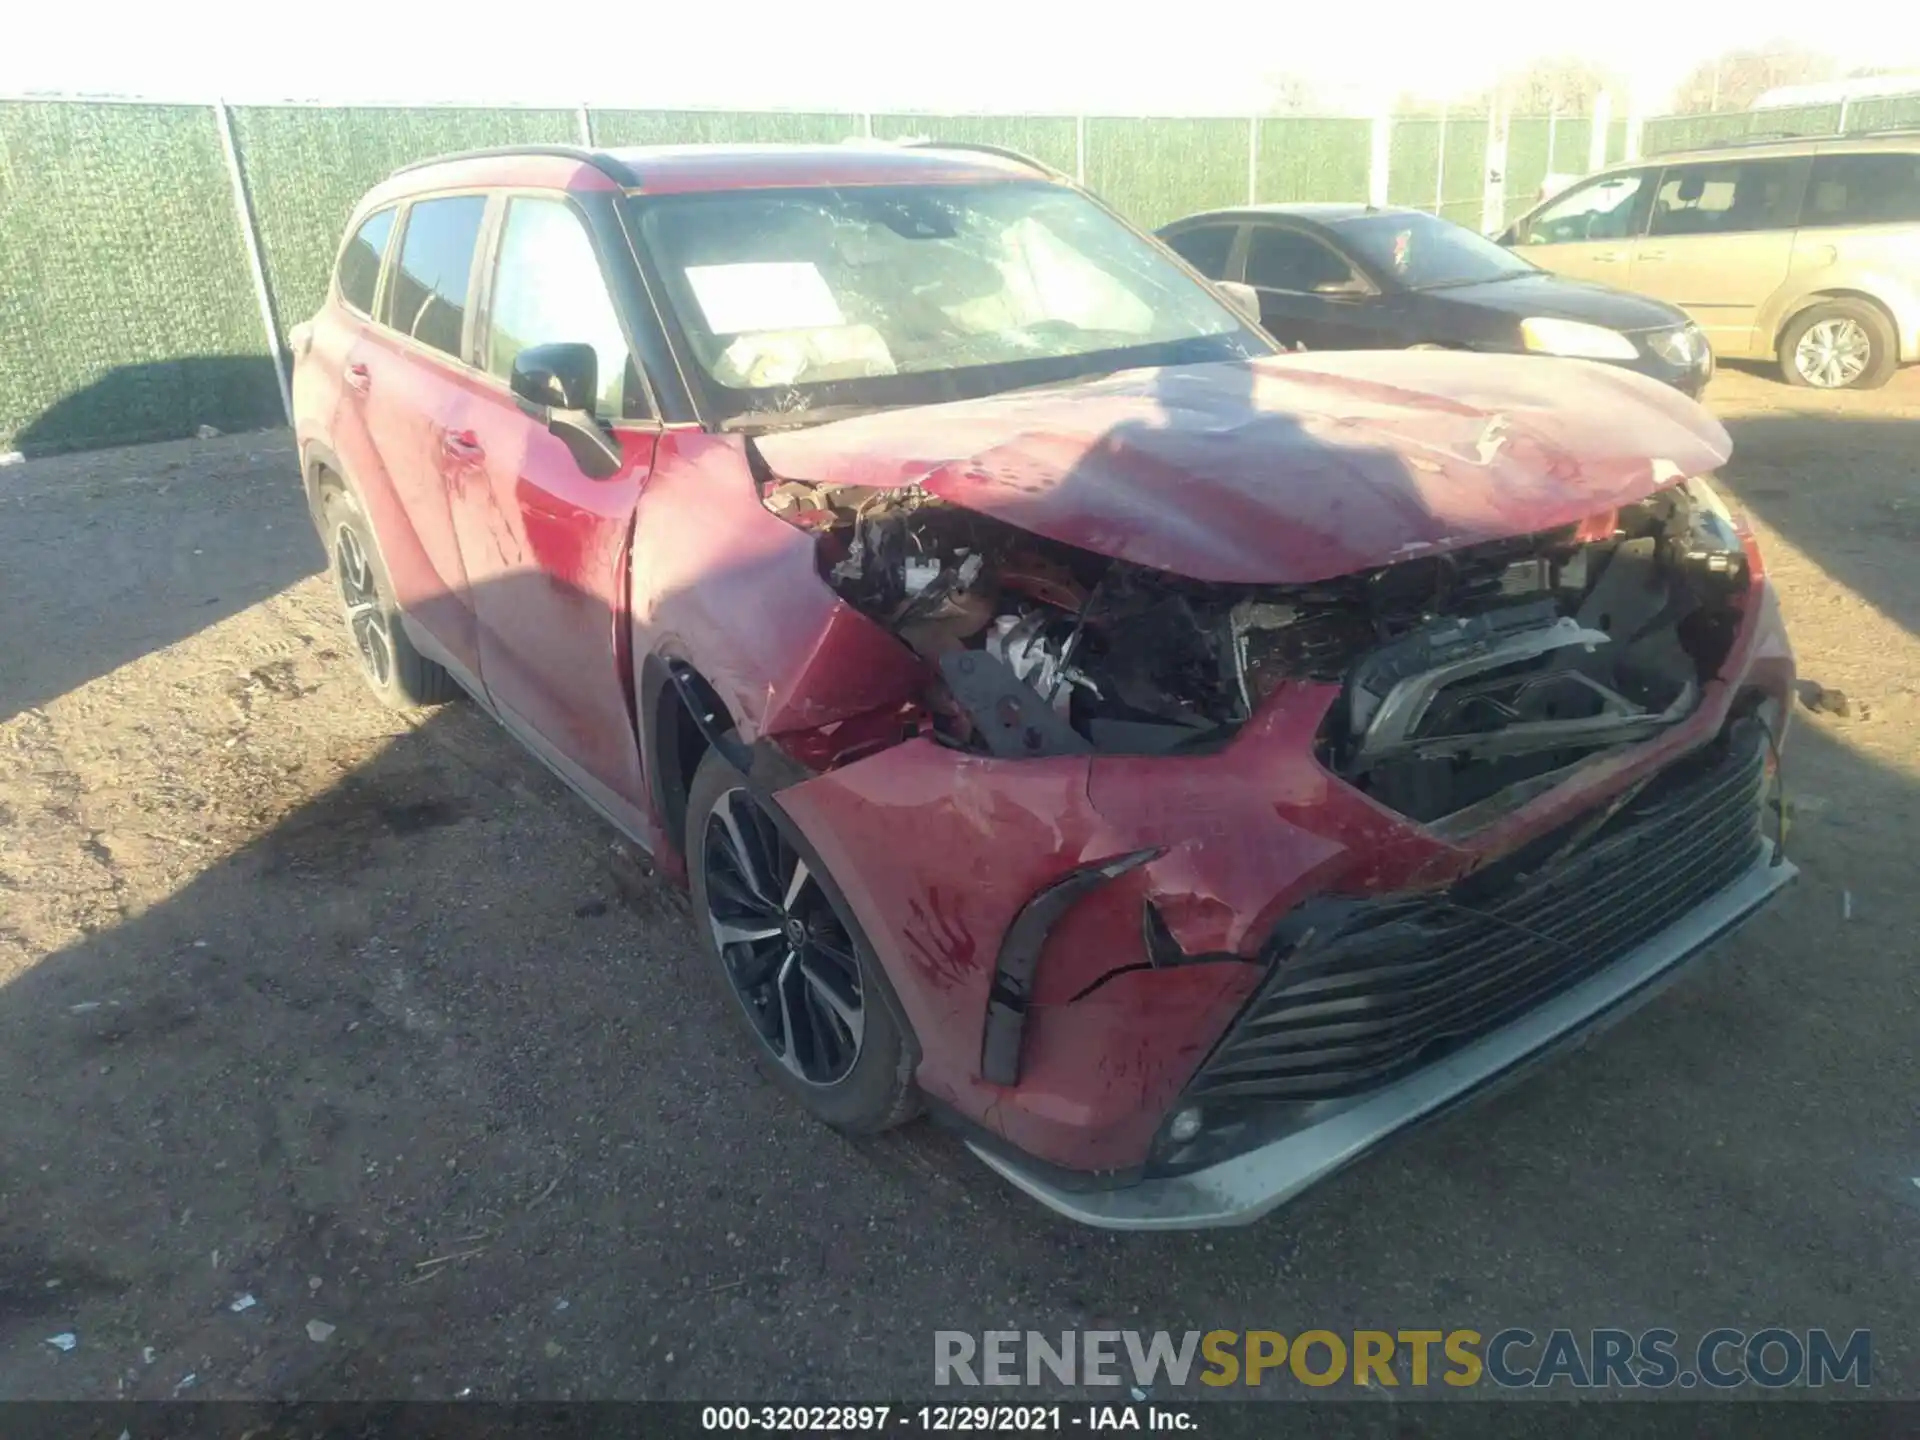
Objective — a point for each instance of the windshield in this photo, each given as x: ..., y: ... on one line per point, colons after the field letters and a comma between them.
x: 1423, y: 252
x: 804, y: 300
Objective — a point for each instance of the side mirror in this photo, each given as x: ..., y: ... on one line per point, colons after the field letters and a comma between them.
x: 557, y: 386
x: 1241, y: 297
x: 1352, y: 288
x: 557, y: 377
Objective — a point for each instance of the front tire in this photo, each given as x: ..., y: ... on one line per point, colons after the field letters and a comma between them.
x: 398, y: 674
x: 792, y: 961
x: 1839, y: 345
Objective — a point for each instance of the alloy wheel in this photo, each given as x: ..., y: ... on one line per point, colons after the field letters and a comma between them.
x: 1833, y: 353
x: 366, y: 616
x: 789, y: 957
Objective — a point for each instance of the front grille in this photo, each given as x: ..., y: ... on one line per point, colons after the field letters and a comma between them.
x: 1399, y: 981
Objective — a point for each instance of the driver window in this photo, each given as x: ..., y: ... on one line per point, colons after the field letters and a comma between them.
x: 1603, y: 210
x: 548, y: 290
x: 1288, y: 260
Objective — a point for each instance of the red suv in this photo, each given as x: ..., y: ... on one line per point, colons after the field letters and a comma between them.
x: 1177, y: 764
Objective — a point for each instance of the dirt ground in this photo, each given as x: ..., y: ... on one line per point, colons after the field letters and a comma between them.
x: 367, y: 1019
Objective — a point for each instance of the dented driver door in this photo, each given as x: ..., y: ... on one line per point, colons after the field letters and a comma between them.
x: 545, y: 544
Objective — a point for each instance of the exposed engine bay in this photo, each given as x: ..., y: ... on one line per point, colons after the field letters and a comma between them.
x: 1468, y: 679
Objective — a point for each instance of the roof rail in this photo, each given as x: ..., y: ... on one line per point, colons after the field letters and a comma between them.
x: 599, y: 159
x: 1780, y: 137
x: 1755, y: 137
x: 1003, y: 151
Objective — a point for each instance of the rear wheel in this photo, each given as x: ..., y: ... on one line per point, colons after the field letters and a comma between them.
x: 398, y: 674
x: 1839, y: 345
x: 791, y: 958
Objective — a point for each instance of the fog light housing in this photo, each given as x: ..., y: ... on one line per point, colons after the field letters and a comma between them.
x: 1184, y: 1126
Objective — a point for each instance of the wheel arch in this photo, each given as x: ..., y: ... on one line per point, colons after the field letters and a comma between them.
x: 673, y: 739
x: 1822, y: 297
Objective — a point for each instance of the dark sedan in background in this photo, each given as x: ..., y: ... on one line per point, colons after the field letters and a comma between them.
x: 1353, y: 277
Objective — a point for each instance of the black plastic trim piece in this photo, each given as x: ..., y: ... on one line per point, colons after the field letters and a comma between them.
x: 1020, y: 954
x: 704, y: 716
x: 1012, y: 719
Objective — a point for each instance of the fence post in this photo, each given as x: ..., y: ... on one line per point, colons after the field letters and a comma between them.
x: 1843, y: 116
x: 866, y: 123
x: 1493, y: 189
x: 586, y: 128
x: 250, y: 239
x: 1253, y: 159
x: 1553, y: 138
x: 1602, y: 125
x: 1379, y: 158
x: 1079, y: 149
x: 1636, y: 124
x: 1440, y: 165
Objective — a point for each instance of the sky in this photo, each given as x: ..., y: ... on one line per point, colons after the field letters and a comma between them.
x: 987, y: 56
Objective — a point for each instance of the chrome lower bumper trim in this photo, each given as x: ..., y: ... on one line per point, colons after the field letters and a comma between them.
x: 1240, y: 1190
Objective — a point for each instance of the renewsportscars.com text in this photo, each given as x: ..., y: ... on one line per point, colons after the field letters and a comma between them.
x: 1720, y: 1359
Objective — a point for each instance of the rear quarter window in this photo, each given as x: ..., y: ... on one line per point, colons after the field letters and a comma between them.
x: 360, y: 261
x: 1206, y: 248
x: 1873, y: 188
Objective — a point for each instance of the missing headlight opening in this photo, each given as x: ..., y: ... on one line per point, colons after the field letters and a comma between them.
x: 1467, y: 680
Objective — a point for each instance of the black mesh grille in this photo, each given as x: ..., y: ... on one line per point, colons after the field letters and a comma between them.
x: 1400, y: 981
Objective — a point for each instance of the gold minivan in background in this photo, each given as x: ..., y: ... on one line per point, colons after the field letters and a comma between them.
x: 1806, y: 252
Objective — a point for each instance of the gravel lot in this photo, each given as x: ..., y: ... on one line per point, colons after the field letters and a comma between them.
x: 367, y: 1018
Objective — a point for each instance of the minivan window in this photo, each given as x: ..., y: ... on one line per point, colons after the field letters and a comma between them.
x: 548, y: 290
x: 1606, y: 209
x: 1880, y: 187
x: 1206, y: 248
x: 360, y: 261
x: 1724, y: 198
x: 429, y: 290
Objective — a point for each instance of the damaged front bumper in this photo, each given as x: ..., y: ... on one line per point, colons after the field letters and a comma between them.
x: 1071, y: 1069
x: 1244, y: 1187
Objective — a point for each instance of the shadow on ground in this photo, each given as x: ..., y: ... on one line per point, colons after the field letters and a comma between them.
x: 115, y: 554
x: 157, y: 400
x: 1821, y: 479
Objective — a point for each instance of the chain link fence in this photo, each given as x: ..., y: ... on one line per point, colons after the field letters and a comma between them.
x: 152, y: 257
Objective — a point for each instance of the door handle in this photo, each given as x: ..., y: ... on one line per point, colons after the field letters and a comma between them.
x: 460, y: 445
x: 359, y: 379
x: 1607, y: 257
x: 1651, y: 255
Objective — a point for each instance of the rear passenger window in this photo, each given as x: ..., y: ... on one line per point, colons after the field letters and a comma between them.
x: 1877, y: 188
x: 429, y: 300
x: 1287, y: 260
x: 1725, y: 198
x: 360, y: 261
x: 1206, y: 249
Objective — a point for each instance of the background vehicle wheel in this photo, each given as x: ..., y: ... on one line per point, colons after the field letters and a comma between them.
x: 1839, y: 345
x: 792, y: 960
x: 396, y: 672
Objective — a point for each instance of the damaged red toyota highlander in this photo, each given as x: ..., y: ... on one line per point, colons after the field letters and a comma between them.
x: 1179, y: 765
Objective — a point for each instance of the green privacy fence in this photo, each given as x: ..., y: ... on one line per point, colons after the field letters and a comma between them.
x: 131, y: 309
x: 125, y: 306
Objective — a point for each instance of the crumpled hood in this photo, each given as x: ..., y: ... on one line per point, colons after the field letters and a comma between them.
x: 1286, y: 469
